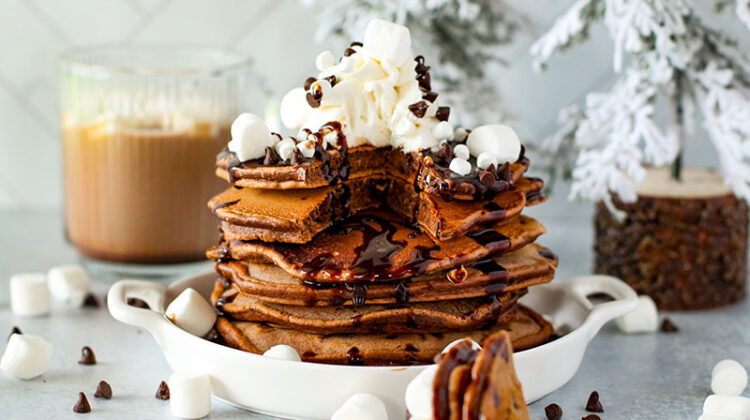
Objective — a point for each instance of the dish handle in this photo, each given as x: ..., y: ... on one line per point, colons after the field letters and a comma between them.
x: 152, y: 320
x: 625, y: 299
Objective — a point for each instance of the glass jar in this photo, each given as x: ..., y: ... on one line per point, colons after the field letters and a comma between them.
x: 141, y: 127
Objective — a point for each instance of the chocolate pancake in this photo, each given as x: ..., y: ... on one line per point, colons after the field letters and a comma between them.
x: 443, y: 316
x: 295, y: 216
x: 525, y: 327
x: 517, y: 270
x: 379, y: 246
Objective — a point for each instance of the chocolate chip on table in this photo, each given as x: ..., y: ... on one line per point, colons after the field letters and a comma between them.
x: 82, y: 405
x: 442, y: 113
x: 15, y: 330
x: 668, y: 327
x: 87, y: 356
x: 591, y: 417
x: 418, y: 108
x: 163, y: 392
x: 103, y: 390
x: 138, y: 303
x: 90, y: 301
x: 594, y: 405
x: 308, y: 82
x: 553, y: 412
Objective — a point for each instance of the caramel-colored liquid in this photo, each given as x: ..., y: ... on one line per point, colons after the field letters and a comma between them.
x: 139, y: 195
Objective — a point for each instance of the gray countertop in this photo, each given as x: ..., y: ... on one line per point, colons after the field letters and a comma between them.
x: 649, y: 376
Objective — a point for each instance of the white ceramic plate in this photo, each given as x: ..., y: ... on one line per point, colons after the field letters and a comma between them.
x: 314, y: 391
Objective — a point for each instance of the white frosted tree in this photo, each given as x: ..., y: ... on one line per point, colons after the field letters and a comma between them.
x: 663, y: 53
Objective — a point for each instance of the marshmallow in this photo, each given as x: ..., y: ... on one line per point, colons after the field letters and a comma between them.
x: 442, y: 131
x: 361, y: 406
x: 727, y: 406
x: 29, y: 295
x: 284, y: 148
x: 460, y: 166
x: 728, y: 377
x: 250, y: 137
x: 294, y: 108
x: 325, y: 60
x: 69, y: 283
x: 644, y: 318
x: 419, y: 393
x: 474, y: 345
x: 386, y: 41
x: 498, y: 140
x: 460, y: 134
x: 484, y: 160
x: 282, y: 352
x: 307, y: 148
x: 461, y: 151
x: 26, y: 356
x: 189, y: 395
x: 191, y: 313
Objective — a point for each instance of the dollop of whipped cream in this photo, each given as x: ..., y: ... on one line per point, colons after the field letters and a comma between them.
x: 373, y: 91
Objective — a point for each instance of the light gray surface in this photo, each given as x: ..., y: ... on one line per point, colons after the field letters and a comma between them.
x: 653, y: 376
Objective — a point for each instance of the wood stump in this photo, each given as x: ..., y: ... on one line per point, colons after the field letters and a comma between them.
x: 682, y: 243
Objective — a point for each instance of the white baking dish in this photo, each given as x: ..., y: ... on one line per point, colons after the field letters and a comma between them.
x: 314, y: 391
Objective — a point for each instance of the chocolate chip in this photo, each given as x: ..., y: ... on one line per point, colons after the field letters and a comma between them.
x: 420, y: 68
x: 429, y: 96
x: 103, y: 390
x: 138, y: 303
x: 296, y: 158
x: 15, y: 330
x: 504, y: 171
x: 443, y: 113
x: 82, y: 405
x: 553, y: 412
x: 314, y: 103
x: 348, y: 52
x: 594, y: 405
x: 591, y: 417
x: 87, y: 356
x: 446, y: 152
x: 163, y: 392
x: 487, y: 178
x: 332, y: 80
x: 424, y: 81
x: 308, y: 82
x: 90, y: 301
x: 668, y: 327
x: 271, y: 157
x: 355, y: 44
x: 418, y: 108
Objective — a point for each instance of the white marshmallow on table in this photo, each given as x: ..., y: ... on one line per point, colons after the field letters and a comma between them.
x: 419, y: 393
x: 189, y: 395
x: 498, y: 140
x: 284, y: 148
x: 307, y: 148
x: 361, y: 406
x: 26, y: 356
x: 69, y: 283
x: 283, y: 352
x: 461, y: 151
x: 386, y: 41
x: 727, y: 406
x: 192, y: 313
x: 644, y: 318
x: 325, y: 60
x: 250, y: 137
x: 460, y: 166
x: 484, y: 160
x: 459, y: 134
x: 474, y: 345
x: 442, y: 131
x: 294, y: 108
x: 29, y: 295
x: 728, y: 377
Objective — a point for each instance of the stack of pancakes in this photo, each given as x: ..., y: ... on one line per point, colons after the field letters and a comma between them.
x: 375, y: 256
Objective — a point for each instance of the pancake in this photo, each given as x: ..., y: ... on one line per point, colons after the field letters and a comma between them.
x: 295, y: 216
x: 380, y: 246
x: 525, y: 327
x: 443, y: 316
x: 528, y: 266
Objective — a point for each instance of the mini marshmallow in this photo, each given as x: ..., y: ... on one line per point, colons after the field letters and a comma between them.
x: 386, y: 41
x: 474, y: 345
x: 284, y: 148
x: 325, y: 60
x: 250, y: 137
x: 282, y: 352
x: 644, y: 318
x: 728, y: 377
x: 307, y: 148
x: 419, y: 393
x: 460, y: 166
x: 361, y: 406
x: 192, y: 313
x: 442, y: 131
x: 29, y: 295
x: 189, y: 395
x: 460, y: 134
x: 484, y: 160
x: 499, y: 140
x: 26, y: 356
x: 69, y: 283
x: 461, y: 151
x: 294, y: 108
x: 727, y: 406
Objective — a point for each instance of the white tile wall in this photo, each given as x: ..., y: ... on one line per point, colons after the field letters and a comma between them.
x: 276, y: 33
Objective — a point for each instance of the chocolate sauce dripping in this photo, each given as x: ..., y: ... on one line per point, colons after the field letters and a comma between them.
x: 353, y: 357
x: 225, y: 204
